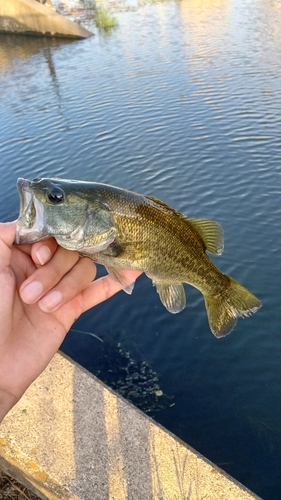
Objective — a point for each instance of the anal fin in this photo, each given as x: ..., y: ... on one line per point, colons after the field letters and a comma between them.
x: 172, y: 296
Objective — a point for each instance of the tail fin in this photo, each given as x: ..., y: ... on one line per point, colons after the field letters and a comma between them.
x: 224, y: 309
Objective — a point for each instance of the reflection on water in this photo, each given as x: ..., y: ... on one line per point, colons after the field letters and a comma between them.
x: 182, y: 102
x: 207, y: 18
x: 14, y: 47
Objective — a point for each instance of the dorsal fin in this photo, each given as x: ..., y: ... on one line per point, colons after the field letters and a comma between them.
x: 166, y: 207
x: 211, y: 233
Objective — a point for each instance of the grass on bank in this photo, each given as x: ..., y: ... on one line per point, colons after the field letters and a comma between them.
x: 104, y: 19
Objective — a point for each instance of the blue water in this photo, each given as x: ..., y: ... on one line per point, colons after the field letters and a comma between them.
x: 181, y: 101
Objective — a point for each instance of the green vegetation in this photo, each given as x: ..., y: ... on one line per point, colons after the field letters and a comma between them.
x: 104, y: 19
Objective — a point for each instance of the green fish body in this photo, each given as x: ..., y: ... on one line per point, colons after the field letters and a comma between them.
x: 125, y: 230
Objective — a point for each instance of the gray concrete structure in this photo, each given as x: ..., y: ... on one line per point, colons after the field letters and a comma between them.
x: 30, y: 17
x: 71, y: 437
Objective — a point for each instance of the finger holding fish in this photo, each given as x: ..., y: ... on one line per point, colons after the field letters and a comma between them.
x: 72, y: 284
x: 105, y: 287
x: 43, y: 251
x: 46, y: 277
x: 57, y: 281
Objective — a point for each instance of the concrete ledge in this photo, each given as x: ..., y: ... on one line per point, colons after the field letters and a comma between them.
x: 71, y: 437
x: 33, y: 18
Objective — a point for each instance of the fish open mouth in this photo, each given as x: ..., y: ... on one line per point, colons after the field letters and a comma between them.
x: 30, y: 223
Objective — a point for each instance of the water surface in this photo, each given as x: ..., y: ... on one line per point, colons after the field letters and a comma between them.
x: 181, y: 101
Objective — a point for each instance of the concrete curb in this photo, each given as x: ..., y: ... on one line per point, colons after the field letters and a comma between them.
x: 71, y: 437
x: 33, y: 18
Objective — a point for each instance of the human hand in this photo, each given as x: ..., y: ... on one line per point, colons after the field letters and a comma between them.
x: 44, y: 289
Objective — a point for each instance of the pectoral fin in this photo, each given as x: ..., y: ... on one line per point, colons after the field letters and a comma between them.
x: 118, y: 276
x: 99, y: 247
x: 172, y: 296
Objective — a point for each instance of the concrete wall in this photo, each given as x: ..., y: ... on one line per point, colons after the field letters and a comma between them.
x: 71, y: 437
x: 30, y: 17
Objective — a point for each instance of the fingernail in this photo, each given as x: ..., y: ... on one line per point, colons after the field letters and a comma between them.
x: 50, y: 301
x: 43, y: 254
x: 31, y: 292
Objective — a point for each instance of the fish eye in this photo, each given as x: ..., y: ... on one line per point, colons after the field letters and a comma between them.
x: 56, y: 195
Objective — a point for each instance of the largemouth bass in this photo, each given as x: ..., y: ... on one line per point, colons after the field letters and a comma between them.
x: 123, y: 229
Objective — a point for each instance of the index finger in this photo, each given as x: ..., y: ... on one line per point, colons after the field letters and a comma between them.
x: 41, y: 251
x: 104, y: 288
